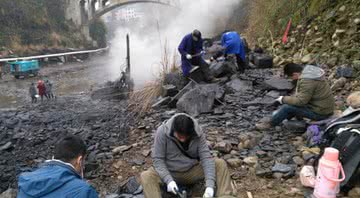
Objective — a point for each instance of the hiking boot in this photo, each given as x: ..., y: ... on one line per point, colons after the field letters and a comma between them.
x: 263, y: 124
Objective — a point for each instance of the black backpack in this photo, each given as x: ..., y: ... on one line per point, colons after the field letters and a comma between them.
x: 344, y: 135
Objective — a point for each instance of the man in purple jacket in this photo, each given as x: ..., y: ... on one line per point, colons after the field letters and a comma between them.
x: 191, y: 50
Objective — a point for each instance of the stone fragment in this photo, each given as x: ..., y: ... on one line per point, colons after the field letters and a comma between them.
x: 223, y: 147
x: 146, y: 153
x: 168, y: 90
x: 161, y: 102
x: 298, y: 160
x: 263, y: 60
x: 199, y: 100
x: 278, y: 84
x: 319, y: 40
x: 187, y: 88
x: 237, y: 85
x: 234, y: 162
x: 354, y: 100
x: 339, y: 84
x: 251, y: 161
x: 6, y: 146
x: 342, y: 8
x: 9, y: 193
x: 357, y: 21
x: 282, y: 168
x: 306, y: 59
x: 220, y: 68
x: 121, y: 149
x: 295, y: 126
x: 355, y: 192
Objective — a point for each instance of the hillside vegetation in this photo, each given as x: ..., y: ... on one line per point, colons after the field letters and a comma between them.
x: 322, y: 32
x: 30, y: 25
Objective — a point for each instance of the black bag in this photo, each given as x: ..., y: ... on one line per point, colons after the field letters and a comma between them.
x: 344, y: 135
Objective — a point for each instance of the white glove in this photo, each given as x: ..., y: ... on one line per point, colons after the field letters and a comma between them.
x: 209, y: 192
x: 280, y: 99
x: 203, y: 52
x: 212, y: 59
x: 172, y: 187
x: 188, y: 56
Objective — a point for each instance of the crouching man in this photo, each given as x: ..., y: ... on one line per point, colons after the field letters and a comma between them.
x: 313, y: 98
x: 61, y: 176
x: 182, y: 156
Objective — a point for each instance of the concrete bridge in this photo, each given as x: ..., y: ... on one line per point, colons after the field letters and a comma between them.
x: 82, y: 12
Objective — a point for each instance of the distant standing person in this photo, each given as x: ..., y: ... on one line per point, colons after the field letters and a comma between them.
x: 41, y: 88
x: 48, y: 89
x: 33, y: 92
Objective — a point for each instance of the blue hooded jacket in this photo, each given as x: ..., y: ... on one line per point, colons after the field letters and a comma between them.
x: 54, y: 180
x: 233, y: 44
x: 189, y: 46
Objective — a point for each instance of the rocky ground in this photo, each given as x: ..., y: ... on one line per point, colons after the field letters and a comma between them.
x: 263, y: 163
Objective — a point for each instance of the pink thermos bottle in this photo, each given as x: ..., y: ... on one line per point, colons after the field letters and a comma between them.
x: 327, y: 180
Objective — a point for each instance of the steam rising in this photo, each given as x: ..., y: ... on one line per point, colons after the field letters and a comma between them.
x: 209, y: 16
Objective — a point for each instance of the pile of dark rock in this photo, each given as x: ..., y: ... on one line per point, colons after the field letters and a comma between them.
x: 28, y: 134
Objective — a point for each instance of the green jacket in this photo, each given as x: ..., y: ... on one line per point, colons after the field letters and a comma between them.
x: 313, y: 91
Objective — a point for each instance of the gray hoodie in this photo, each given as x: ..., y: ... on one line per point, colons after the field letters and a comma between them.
x: 312, y: 72
x: 167, y: 157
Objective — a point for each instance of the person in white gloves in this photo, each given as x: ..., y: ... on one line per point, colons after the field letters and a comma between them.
x: 313, y: 98
x: 181, y: 156
x: 191, y: 51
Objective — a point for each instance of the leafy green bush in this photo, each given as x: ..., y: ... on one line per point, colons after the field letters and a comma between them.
x: 98, y: 32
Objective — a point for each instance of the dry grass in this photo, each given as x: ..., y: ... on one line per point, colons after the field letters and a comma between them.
x: 273, y: 16
x: 141, y: 100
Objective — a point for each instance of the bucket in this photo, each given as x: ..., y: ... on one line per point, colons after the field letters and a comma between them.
x: 327, y: 181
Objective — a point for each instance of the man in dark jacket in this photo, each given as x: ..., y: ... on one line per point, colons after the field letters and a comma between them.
x: 233, y: 44
x: 313, y: 98
x: 61, y: 176
x: 181, y: 156
x: 33, y: 93
x: 191, y: 50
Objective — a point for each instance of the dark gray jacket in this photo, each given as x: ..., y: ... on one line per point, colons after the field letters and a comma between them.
x: 32, y: 90
x: 167, y: 157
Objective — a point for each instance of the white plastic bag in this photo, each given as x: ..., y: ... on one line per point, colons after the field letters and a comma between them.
x: 307, y: 176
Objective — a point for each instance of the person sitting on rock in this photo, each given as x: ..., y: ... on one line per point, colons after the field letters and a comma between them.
x: 60, y: 177
x: 313, y: 98
x: 33, y: 93
x: 181, y: 156
x: 233, y: 44
x: 191, y: 50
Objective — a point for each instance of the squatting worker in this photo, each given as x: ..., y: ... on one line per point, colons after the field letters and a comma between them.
x: 191, y: 50
x: 181, y: 156
x: 233, y: 44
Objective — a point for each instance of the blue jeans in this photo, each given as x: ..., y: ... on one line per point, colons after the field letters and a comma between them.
x: 289, y: 111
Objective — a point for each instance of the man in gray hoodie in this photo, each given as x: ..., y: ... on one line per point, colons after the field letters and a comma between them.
x: 181, y: 156
x: 313, y: 98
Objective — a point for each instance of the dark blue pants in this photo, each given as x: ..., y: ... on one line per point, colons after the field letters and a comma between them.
x: 289, y: 111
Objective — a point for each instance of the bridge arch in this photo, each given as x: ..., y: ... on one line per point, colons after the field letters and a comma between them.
x: 121, y: 3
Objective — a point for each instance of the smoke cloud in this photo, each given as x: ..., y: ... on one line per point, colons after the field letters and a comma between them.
x: 159, y: 25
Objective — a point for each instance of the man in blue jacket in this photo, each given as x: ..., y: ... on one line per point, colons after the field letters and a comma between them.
x: 191, y: 50
x: 233, y: 44
x: 61, y: 176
